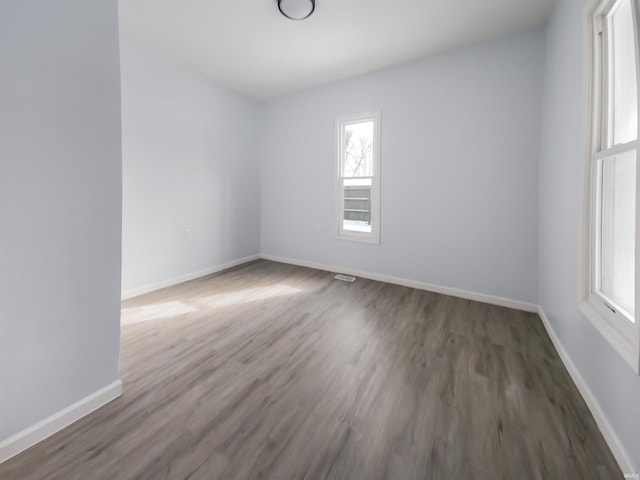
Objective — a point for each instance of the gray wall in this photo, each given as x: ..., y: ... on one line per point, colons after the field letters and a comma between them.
x: 189, y: 162
x: 460, y: 142
x: 60, y: 206
x: 608, y: 376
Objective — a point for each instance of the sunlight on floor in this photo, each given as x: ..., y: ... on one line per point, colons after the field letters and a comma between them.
x: 248, y: 295
x: 164, y: 310
x: 154, y: 311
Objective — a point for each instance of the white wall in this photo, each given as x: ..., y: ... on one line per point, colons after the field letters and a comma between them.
x: 189, y: 162
x: 60, y: 206
x: 610, y: 379
x: 460, y: 139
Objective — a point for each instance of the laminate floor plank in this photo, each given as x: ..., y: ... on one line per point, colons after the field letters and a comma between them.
x: 271, y: 371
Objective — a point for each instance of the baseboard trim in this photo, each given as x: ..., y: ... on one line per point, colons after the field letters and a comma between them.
x: 25, y: 439
x: 134, y: 292
x: 454, y: 292
x: 616, y: 446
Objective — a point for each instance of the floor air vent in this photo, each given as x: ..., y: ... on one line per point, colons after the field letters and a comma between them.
x: 345, y: 278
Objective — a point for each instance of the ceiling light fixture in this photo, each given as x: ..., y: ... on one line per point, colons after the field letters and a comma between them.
x: 296, y: 9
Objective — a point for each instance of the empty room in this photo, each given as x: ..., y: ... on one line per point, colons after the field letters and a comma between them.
x: 287, y: 239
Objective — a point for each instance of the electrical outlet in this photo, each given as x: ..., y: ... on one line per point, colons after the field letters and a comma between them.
x: 318, y: 227
x: 187, y: 234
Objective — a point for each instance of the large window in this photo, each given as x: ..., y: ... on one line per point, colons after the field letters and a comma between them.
x: 610, y: 298
x: 358, y: 177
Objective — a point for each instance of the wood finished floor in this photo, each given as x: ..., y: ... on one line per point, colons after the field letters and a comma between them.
x: 270, y: 371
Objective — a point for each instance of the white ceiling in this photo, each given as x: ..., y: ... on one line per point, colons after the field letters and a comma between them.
x: 249, y: 47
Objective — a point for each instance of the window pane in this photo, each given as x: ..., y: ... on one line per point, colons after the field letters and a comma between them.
x: 358, y: 150
x: 357, y: 205
x: 624, y: 82
x: 617, y: 246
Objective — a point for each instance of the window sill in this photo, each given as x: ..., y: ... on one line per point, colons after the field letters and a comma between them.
x: 627, y: 348
x: 359, y: 238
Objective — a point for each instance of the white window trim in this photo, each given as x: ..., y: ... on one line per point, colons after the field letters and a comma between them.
x: 374, y: 236
x: 623, y: 335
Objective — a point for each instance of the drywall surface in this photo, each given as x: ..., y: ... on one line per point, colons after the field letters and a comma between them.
x: 459, y: 162
x: 608, y: 376
x: 60, y: 206
x: 190, y: 172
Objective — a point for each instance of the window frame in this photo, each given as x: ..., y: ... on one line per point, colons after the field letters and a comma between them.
x: 372, y: 237
x: 620, y: 332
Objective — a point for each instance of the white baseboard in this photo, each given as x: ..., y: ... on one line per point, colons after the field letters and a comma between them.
x: 454, y: 292
x: 134, y: 292
x: 616, y: 446
x: 56, y: 422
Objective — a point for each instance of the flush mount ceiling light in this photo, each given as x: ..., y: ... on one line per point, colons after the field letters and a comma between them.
x: 296, y: 9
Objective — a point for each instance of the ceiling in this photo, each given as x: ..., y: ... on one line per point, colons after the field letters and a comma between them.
x: 247, y: 46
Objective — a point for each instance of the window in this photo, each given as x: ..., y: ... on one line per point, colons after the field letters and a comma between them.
x: 611, y: 252
x: 358, y: 177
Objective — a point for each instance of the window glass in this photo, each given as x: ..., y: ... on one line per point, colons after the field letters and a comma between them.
x: 358, y: 150
x: 624, y: 83
x: 357, y: 168
x: 359, y: 183
x: 617, y: 231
